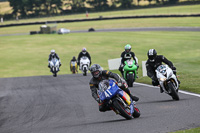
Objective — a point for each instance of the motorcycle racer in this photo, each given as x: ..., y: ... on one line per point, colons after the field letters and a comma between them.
x: 127, y: 54
x: 97, y: 76
x: 84, y: 53
x: 53, y: 55
x: 153, y: 62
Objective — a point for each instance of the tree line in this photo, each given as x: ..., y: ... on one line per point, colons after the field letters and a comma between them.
x: 34, y: 8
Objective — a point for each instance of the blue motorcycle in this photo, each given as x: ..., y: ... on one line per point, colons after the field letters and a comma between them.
x: 117, y: 99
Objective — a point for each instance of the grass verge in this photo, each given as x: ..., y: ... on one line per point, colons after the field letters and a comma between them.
x: 186, y: 9
x: 195, y: 130
x: 123, y: 23
x: 27, y: 55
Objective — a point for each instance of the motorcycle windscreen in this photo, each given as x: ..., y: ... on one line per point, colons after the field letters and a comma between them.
x: 130, y: 66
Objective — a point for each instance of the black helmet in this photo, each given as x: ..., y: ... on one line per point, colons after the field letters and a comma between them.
x: 96, y: 70
x: 84, y: 50
x: 152, y: 55
x: 74, y: 58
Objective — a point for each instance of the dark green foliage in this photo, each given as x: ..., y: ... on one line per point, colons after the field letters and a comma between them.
x: 99, y: 5
x: 36, y: 7
x: 126, y: 3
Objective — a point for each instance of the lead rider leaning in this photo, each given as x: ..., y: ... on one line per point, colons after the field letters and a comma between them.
x: 99, y: 75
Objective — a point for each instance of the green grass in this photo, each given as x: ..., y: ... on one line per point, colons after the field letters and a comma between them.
x: 186, y: 9
x: 27, y: 55
x: 122, y: 23
x: 195, y: 130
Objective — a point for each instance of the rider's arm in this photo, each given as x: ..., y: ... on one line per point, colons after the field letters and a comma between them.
x: 166, y: 61
x: 111, y: 75
x: 122, y: 58
x: 57, y: 56
x: 94, y: 91
x: 49, y: 57
x: 79, y: 56
x: 134, y: 58
x: 89, y: 56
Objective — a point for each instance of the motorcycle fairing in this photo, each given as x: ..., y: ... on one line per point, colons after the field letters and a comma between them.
x: 129, y: 68
x: 112, y: 90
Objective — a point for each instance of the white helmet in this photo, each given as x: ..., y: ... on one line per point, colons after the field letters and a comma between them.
x: 53, y: 51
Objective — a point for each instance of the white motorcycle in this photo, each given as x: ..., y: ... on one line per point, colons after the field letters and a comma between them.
x: 54, y: 66
x: 168, y: 81
x: 84, y: 65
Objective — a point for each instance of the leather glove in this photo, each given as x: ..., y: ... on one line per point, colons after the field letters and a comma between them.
x: 137, y: 66
x: 122, y: 82
x: 173, y: 68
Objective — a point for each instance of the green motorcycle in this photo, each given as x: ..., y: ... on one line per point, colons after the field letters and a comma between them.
x: 130, y: 72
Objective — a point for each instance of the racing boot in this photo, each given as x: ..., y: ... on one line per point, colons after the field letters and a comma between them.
x: 134, y: 98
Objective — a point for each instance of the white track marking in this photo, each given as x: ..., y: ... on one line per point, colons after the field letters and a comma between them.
x: 184, y: 92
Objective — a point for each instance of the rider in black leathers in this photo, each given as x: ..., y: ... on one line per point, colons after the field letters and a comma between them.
x: 153, y: 62
x: 53, y: 55
x: 84, y: 53
x: 99, y: 75
x: 127, y: 54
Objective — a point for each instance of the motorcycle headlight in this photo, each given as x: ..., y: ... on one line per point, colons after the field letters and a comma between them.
x: 162, y: 79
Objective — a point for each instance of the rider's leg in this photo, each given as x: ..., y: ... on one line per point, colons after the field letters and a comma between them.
x: 156, y: 83
x: 134, y: 98
x: 121, y: 70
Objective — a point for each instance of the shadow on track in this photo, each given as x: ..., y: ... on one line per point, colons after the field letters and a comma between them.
x: 94, y: 123
x: 162, y: 101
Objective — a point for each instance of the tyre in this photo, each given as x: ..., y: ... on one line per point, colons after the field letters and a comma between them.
x: 73, y: 70
x: 136, y: 112
x: 123, y: 112
x: 130, y: 80
x: 55, y: 74
x: 174, y: 94
x: 84, y: 72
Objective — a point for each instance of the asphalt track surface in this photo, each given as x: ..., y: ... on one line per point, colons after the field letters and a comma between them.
x: 45, y: 104
x: 193, y: 29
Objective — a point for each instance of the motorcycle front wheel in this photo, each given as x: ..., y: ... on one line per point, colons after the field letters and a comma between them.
x: 174, y: 94
x: 84, y: 72
x: 123, y: 112
x: 136, y: 112
x: 130, y: 79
